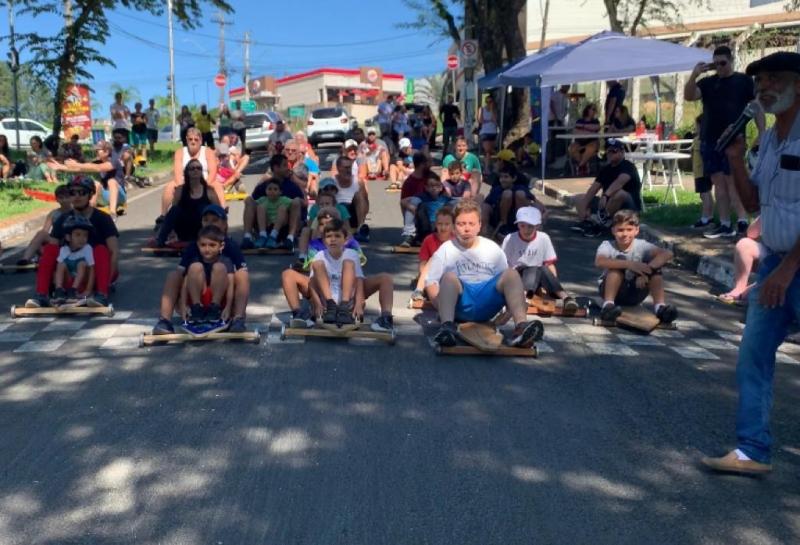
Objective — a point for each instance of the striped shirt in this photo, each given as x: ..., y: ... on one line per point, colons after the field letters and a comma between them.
x: 778, y: 190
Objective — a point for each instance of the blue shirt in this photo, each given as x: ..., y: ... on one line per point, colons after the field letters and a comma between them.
x: 311, y: 165
x: 231, y: 250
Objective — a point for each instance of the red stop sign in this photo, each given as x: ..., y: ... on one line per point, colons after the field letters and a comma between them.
x: 220, y: 80
x: 452, y: 62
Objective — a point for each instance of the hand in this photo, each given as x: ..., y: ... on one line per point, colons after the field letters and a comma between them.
x: 641, y: 282
x: 358, y: 312
x: 699, y: 68
x: 640, y: 268
x: 773, y: 291
x: 737, y: 148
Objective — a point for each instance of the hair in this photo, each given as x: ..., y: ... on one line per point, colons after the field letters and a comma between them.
x: 723, y: 51
x: 195, y: 131
x: 335, y: 226
x: 461, y: 139
x: 432, y: 176
x: 586, y: 109
x: 38, y: 139
x: 62, y: 191
x: 186, y: 194
x: 419, y: 159
x: 509, y: 168
x: 276, y: 160
x: 446, y: 211
x: 625, y: 217
x: 343, y: 163
x: 329, y: 211
x: 211, y: 232
x: 455, y: 166
x: 4, y: 148
x: 272, y: 181
x: 466, y: 206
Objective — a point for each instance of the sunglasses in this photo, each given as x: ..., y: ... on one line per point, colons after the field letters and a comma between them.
x: 78, y: 193
x: 720, y: 63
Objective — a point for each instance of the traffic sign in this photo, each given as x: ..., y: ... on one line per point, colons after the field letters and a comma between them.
x: 297, y: 111
x: 220, y: 80
x: 469, y: 53
x: 248, y: 106
x: 452, y: 62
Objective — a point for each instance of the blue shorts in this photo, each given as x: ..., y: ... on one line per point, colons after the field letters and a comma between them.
x: 139, y: 138
x: 122, y: 197
x: 714, y: 162
x: 479, y: 302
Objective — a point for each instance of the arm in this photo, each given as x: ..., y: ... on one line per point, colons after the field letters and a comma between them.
x: 617, y: 185
x: 691, y: 91
x: 70, y: 165
x: 213, y: 165
x: 602, y: 262
x: 177, y: 167
x: 660, y: 258
x: 6, y: 165
x: 748, y: 192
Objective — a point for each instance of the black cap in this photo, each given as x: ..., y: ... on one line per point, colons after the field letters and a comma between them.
x: 782, y: 61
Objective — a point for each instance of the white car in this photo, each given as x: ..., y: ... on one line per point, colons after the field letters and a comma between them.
x: 27, y: 129
x: 259, y: 125
x: 327, y: 125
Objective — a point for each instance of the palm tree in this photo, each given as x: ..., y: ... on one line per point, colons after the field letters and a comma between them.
x: 129, y: 94
x: 431, y: 90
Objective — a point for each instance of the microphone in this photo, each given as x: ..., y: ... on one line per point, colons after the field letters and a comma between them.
x: 733, y: 130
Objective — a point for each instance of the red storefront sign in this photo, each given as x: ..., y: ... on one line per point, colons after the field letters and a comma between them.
x: 76, y: 112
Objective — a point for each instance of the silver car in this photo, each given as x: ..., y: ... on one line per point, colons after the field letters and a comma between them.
x: 259, y: 125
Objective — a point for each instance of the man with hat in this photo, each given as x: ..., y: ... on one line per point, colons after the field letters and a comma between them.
x: 622, y: 190
x: 215, y: 215
x: 773, y: 188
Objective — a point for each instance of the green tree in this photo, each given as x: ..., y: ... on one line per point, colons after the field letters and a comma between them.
x: 34, y: 100
x: 630, y: 16
x: 129, y: 94
x: 68, y: 55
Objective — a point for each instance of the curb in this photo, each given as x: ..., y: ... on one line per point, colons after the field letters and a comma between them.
x: 713, y: 268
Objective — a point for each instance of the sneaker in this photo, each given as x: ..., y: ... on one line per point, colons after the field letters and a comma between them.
x: 700, y: 224
x: 247, y: 243
x: 721, y: 231
x: 301, y: 319
x: 344, y: 314
x: 197, y: 314
x: 447, y: 335
x: 238, y: 325
x: 667, y: 314
x: 24, y: 262
x: 38, y: 301
x: 163, y: 327
x: 363, y: 234
x: 261, y: 242
x: 407, y: 241
x: 527, y: 333
x: 384, y: 324
x: 59, y: 296
x: 570, y: 304
x: 741, y: 227
x: 329, y: 314
x: 72, y: 295
x: 730, y: 463
x: 159, y: 221
x: 418, y: 295
x: 271, y: 243
x: 213, y: 313
x: 97, y: 300
x: 582, y: 226
x: 287, y: 244
x: 594, y: 231
x: 610, y: 313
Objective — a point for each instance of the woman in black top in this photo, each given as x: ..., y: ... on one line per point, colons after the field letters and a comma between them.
x: 185, y: 216
x: 622, y: 120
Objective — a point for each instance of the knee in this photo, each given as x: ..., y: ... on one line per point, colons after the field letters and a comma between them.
x: 195, y: 268
x: 520, y: 197
x: 507, y: 195
x: 449, y: 278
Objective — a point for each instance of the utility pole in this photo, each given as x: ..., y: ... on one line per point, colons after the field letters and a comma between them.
x: 171, y: 77
x: 222, y: 70
x: 469, y: 73
x: 247, y: 65
x: 13, y: 65
x: 544, y: 24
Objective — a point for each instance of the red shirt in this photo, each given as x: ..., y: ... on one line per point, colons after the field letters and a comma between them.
x: 429, y: 247
x: 413, y: 186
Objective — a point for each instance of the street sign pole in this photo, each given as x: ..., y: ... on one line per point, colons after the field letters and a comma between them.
x: 13, y: 64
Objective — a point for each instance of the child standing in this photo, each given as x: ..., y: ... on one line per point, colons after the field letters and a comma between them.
x: 272, y: 216
x: 531, y: 253
x: 207, y: 293
x: 75, y: 268
x: 337, y: 279
x: 631, y: 270
x: 444, y: 232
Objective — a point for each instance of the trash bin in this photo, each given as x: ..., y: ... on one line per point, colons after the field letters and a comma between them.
x: 98, y: 135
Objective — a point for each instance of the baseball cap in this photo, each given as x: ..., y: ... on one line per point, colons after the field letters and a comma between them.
x: 404, y: 143
x: 372, y: 130
x: 529, y: 215
x: 350, y: 144
x: 328, y: 182
x: 505, y: 155
x: 217, y: 210
x: 782, y: 61
x: 614, y: 143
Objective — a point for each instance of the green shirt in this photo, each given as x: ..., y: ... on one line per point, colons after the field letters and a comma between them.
x: 470, y: 161
x: 343, y: 211
x: 272, y: 207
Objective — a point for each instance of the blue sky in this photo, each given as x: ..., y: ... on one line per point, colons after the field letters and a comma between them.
x: 308, y: 37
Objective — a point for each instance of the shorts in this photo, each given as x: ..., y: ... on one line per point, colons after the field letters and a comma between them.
x: 714, y: 162
x: 206, y: 298
x: 138, y: 138
x: 629, y: 295
x: 702, y: 184
x: 69, y: 282
x: 72, y: 265
x: 627, y: 204
x: 351, y: 209
x: 479, y: 302
x: 152, y: 135
x: 122, y: 197
x: 489, y: 137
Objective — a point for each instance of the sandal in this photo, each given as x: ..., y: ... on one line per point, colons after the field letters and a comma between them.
x: 728, y: 299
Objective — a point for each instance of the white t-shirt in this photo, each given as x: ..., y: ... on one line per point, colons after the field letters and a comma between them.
x: 640, y: 251
x: 334, y: 268
x: 535, y: 253
x: 345, y: 195
x: 83, y: 254
x: 152, y: 118
x: 482, y: 262
x: 122, y: 122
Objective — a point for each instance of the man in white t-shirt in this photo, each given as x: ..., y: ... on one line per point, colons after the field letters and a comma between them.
x: 530, y: 252
x: 469, y: 280
x: 120, y: 116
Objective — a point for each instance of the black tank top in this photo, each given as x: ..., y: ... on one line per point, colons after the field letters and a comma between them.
x: 190, y: 215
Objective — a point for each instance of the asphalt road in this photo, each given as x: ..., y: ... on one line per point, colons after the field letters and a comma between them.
x: 327, y: 442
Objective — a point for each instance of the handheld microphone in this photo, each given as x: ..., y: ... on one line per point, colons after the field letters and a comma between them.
x: 733, y: 130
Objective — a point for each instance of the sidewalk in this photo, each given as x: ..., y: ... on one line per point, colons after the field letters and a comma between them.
x: 712, y: 259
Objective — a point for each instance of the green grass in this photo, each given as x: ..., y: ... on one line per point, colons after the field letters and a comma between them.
x: 14, y: 202
x: 685, y: 213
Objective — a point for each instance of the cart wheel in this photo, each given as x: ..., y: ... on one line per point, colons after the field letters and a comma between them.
x: 283, y: 332
x: 439, y: 350
x: 595, y: 321
x: 535, y: 351
x: 257, y: 338
x: 393, y: 340
x: 141, y: 340
x: 13, y: 311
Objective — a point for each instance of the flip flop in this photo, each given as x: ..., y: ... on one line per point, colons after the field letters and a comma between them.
x: 728, y: 299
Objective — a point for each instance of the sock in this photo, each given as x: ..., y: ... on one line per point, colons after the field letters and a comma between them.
x: 705, y: 219
x: 288, y: 237
x: 274, y: 233
x: 741, y: 455
x: 248, y: 236
x: 608, y: 303
x: 262, y: 234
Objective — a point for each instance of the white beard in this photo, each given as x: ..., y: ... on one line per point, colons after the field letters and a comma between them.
x: 782, y: 102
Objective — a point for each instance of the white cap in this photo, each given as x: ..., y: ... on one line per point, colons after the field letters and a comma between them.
x: 529, y: 215
x: 350, y: 144
x: 404, y: 143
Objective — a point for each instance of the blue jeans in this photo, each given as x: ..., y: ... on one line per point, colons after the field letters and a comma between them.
x: 765, y: 331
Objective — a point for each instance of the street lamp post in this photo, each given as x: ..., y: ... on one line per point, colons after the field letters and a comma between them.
x: 13, y: 64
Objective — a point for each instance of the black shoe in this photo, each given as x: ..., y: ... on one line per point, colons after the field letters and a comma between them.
x: 72, y: 295
x: 59, y: 296
x: 163, y: 327
x: 700, y: 224
x: 582, y: 226
x: 344, y: 314
x: 247, y: 244
x: 741, y: 227
x: 23, y: 262
x: 527, y: 333
x: 407, y: 241
x: 238, y: 325
x: 301, y: 319
x: 213, y: 313
x: 447, y: 335
x: 197, y: 314
x: 38, y: 301
x: 384, y: 324
x: 667, y: 314
x: 721, y: 231
x: 362, y: 235
x: 329, y: 314
x: 159, y: 221
x: 610, y: 313
x: 97, y: 300
x: 570, y: 304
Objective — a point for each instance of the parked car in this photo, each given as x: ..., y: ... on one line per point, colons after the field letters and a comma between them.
x: 258, y: 126
x: 327, y: 125
x: 27, y: 129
